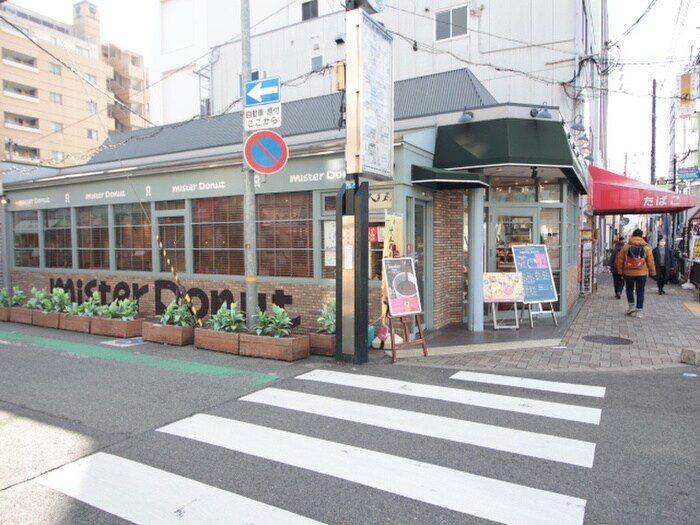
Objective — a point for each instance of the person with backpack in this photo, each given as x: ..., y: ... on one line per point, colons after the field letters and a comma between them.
x: 618, y: 279
x: 665, y: 264
x: 635, y: 261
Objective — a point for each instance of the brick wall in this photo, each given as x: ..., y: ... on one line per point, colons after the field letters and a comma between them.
x: 448, y: 262
x: 300, y: 300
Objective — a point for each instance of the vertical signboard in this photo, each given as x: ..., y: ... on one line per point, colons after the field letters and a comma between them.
x: 369, y: 98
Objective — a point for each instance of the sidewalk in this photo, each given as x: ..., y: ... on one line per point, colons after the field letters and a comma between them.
x: 597, y: 336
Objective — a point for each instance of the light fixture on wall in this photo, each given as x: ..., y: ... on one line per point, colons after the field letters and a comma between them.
x: 466, y: 116
x: 588, y: 157
x: 541, y: 112
x: 4, y: 200
x: 578, y: 124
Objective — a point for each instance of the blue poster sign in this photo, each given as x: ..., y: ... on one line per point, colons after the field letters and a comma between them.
x: 532, y: 261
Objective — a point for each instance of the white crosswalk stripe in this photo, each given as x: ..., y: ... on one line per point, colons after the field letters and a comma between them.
x: 533, y: 444
x: 144, y: 494
x: 406, y: 477
x: 534, y: 384
x: 456, y: 395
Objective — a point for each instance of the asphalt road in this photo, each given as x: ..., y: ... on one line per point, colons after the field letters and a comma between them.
x: 92, y: 434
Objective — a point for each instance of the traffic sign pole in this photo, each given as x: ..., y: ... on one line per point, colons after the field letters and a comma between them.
x: 249, y: 235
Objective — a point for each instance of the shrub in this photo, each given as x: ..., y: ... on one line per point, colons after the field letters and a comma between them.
x: 5, y: 297
x: 227, y: 319
x: 277, y: 324
x: 40, y: 300
x: 124, y: 309
x: 89, y: 308
x: 178, y: 313
x: 328, y: 318
x: 18, y: 298
x: 60, y: 300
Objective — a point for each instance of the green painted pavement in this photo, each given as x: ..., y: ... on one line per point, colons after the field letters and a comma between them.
x: 100, y: 352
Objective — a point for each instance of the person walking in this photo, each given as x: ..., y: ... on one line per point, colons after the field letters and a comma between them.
x: 635, y: 262
x: 618, y: 279
x: 664, y: 261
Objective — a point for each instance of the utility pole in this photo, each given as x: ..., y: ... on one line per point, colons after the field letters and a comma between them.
x: 249, y: 233
x: 653, y: 133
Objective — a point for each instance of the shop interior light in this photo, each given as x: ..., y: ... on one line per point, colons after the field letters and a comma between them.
x: 4, y: 200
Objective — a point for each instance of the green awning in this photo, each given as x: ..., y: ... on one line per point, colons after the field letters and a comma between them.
x: 509, y: 141
x: 439, y: 179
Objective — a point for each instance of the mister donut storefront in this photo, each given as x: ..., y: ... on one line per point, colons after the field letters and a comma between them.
x: 504, y: 178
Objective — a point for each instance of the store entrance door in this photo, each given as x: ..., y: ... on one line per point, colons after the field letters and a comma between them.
x: 171, y: 232
x: 508, y: 228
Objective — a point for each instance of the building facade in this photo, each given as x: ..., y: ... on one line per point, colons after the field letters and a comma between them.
x: 57, y: 87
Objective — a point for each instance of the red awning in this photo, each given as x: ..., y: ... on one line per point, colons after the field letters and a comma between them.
x: 613, y: 194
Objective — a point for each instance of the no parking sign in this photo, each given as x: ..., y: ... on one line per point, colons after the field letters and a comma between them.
x: 266, y: 152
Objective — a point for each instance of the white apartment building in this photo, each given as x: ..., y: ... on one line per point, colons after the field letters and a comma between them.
x: 530, y: 51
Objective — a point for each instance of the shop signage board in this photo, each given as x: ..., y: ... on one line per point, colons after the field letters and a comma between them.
x: 266, y: 152
x: 401, y: 286
x: 503, y: 287
x: 370, y: 110
x: 532, y: 261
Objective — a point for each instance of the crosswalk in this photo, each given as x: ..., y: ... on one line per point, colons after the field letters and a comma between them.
x: 142, y: 493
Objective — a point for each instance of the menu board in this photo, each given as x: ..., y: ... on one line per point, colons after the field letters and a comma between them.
x: 533, y: 262
x: 401, y: 286
x: 502, y: 287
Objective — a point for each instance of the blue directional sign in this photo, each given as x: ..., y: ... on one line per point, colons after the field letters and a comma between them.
x: 265, y: 91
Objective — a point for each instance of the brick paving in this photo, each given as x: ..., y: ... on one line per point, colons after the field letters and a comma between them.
x: 656, y: 340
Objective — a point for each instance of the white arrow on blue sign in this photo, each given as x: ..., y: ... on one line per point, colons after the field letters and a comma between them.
x: 265, y: 91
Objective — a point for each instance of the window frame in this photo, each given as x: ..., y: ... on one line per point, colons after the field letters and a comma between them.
x: 451, y: 24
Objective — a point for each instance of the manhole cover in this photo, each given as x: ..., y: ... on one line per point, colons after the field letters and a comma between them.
x: 607, y: 340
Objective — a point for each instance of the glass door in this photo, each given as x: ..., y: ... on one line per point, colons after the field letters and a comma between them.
x: 171, y: 232
x: 509, y: 228
x: 419, y: 248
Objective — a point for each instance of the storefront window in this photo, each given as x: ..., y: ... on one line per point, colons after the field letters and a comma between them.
x: 26, y: 234
x: 133, y: 237
x: 170, y: 205
x: 550, y: 192
x: 93, y: 238
x: 375, y: 236
x: 217, y: 225
x: 550, y: 220
x: 171, y: 232
x: 518, y: 191
x: 285, y: 234
x: 57, y: 238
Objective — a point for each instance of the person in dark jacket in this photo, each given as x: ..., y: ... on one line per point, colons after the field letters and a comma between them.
x: 618, y: 279
x: 635, y: 261
x: 664, y: 261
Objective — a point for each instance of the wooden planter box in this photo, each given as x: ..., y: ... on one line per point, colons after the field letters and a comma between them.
x: 46, y: 319
x: 322, y: 344
x: 281, y: 348
x: 20, y: 315
x: 171, y: 335
x: 216, y: 340
x: 74, y: 323
x: 116, y: 327
x: 4, y: 313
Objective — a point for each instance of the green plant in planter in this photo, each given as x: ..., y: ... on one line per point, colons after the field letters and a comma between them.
x: 5, y: 298
x: 328, y: 318
x: 88, y: 308
x: 227, y: 319
x: 40, y: 300
x: 276, y: 324
x: 60, y: 300
x: 18, y: 297
x: 124, y: 309
x: 178, y: 313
